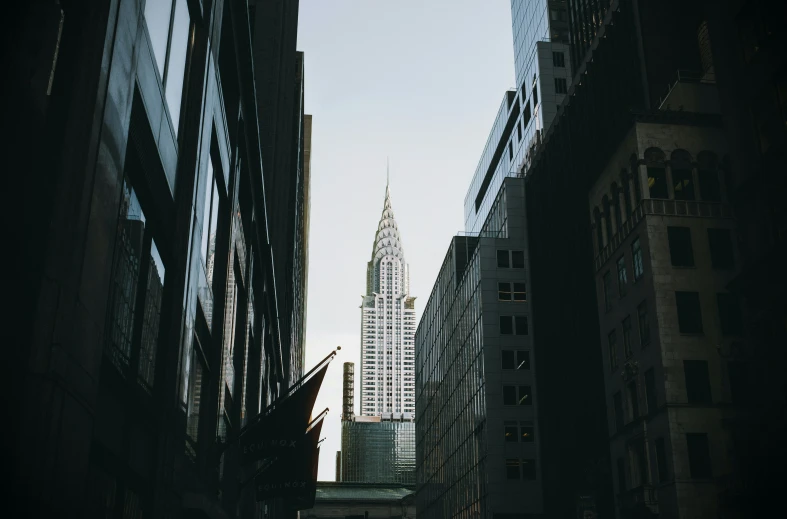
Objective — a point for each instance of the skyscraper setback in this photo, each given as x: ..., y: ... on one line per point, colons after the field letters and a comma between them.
x: 388, y: 327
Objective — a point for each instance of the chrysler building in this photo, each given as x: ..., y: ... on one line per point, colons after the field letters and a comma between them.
x: 388, y: 327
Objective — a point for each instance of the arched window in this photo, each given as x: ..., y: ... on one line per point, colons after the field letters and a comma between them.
x: 607, y: 217
x: 708, y: 176
x: 657, y: 175
x: 634, y: 164
x: 682, y: 183
x: 599, y: 237
x: 616, y: 205
x: 624, y: 179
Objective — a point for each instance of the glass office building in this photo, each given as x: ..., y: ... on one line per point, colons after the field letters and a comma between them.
x: 477, y: 449
x: 376, y: 451
x: 543, y: 77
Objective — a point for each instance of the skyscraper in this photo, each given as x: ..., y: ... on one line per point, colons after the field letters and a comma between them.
x: 388, y: 327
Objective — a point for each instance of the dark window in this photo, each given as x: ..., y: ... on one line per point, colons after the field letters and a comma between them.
x: 522, y: 359
x: 607, y: 290
x: 636, y: 256
x: 510, y: 150
x: 503, y: 259
x: 689, y: 313
x: 509, y: 359
x: 506, y: 325
x: 621, y: 475
x: 511, y: 431
x: 682, y: 183
x: 622, y: 276
x: 535, y: 96
x: 527, y: 434
x: 520, y: 292
x: 558, y: 59
x: 612, y: 341
x: 739, y: 381
x: 635, y: 180
x: 729, y: 314
x: 617, y: 401
x: 697, y: 382
x: 517, y: 259
x: 699, y: 455
x: 526, y: 115
x: 509, y: 395
x: 657, y: 182
x: 681, y: 253
x: 524, y: 397
x: 504, y: 291
x: 644, y: 323
x: 633, y: 399
x: 661, y: 460
x: 512, y: 468
x: 194, y: 392
x: 520, y: 325
x: 519, y: 131
x: 650, y: 391
x: 209, y: 222
x: 597, y: 225
x: 528, y: 469
x: 626, y: 324
x: 616, y: 206
x: 721, y: 255
x: 560, y: 85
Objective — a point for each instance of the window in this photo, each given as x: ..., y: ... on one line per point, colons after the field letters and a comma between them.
x: 721, y: 255
x: 558, y: 59
x: 682, y: 183
x: 729, y: 314
x: 520, y: 292
x: 526, y: 115
x: 650, y: 391
x: 512, y: 468
x: 511, y: 432
x: 607, y: 291
x: 520, y: 324
x: 209, y: 222
x: 697, y: 382
x: 613, y: 350
x: 510, y: 150
x: 621, y: 475
x: 560, y: 85
x: 519, y: 131
x: 633, y: 400
x: 661, y: 460
x: 617, y: 402
x: 517, y: 259
x: 506, y: 325
x: 738, y: 373
x: 622, y: 277
x: 527, y: 434
x: 528, y: 469
x: 636, y: 255
x: 657, y: 182
x: 626, y: 324
x: 644, y: 324
x: 170, y: 44
x: 516, y: 359
x: 535, y: 94
x: 517, y: 395
x: 699, y: 455
x: 689, y: 313
x: 504, y: 291
x: 503, y: 259
x: 680, y: 249
x: 196, y: 380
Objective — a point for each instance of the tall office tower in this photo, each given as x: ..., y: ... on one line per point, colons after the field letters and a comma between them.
x: 543, y: 75
x: 478, y: 443
x: 387, y: 327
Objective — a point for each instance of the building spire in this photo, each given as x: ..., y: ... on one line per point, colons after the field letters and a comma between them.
x: 387, y: 173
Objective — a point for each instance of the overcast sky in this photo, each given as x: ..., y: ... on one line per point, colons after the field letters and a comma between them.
x: 419, y: 81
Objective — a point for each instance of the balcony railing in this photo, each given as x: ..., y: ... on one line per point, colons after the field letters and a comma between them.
x: 690, y: 208
x: 643, y: 496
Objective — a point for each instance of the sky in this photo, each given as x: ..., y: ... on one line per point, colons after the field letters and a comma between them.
x: 417, y: 83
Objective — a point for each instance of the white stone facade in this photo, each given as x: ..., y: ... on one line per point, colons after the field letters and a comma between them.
x: 388, y: 327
